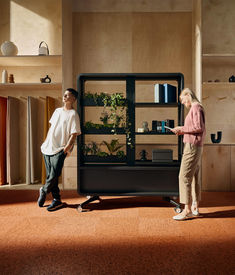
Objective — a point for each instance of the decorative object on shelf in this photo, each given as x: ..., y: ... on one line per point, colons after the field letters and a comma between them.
x: 232, y: 78
x: 145, y: 126
x: 217, y: 80
x: 162, y: 155
x: 143, y: 155
x: 140, y: 130
x: 4, y: 76
x: 9, y: 48
x: 46, y: 79
x: 11, y: 78
x: 42, y: 50
x: 218, y: 139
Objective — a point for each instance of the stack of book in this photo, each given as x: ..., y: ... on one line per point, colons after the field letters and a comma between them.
x: 164, y: 93
x: 158, y: 126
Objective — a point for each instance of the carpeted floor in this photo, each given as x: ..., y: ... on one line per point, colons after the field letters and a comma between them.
x: 121, y: 235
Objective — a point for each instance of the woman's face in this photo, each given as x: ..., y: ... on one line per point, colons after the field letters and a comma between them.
x: 185, y: 100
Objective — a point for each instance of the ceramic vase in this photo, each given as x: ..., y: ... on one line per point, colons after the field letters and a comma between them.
x: 4, y: 76
x: 8, y: 48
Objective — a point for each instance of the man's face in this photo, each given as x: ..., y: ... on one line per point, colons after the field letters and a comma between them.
x: 68, y: 97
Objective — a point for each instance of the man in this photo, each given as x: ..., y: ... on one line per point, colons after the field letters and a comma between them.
x: 65, y: 127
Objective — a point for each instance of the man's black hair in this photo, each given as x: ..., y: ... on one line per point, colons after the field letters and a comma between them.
x: 74, y: 92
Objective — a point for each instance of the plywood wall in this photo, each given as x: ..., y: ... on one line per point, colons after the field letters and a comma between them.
x: 218, y: 26
x: 216, y: 169
x: 27, y: 23
x: 218, y: 100
x: 132, y: 42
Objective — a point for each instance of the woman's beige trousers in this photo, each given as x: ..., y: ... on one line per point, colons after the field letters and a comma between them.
x: 189, y: 181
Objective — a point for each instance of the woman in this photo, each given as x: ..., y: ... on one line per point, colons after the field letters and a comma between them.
x: 194, y: 134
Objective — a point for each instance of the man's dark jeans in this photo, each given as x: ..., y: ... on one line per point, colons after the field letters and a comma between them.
x: 54, y: 165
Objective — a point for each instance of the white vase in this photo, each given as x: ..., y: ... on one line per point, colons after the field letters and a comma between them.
x: 4, y: 76
x: 9, y: 48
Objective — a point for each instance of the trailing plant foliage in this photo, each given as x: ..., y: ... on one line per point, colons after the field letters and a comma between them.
x: 113, y: 115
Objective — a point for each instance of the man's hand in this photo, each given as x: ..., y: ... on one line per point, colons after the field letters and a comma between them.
x: 70, y: 144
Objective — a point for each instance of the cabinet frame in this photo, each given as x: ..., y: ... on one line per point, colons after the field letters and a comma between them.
x: 94, y: 178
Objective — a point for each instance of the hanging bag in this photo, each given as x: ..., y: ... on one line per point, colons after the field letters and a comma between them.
x: 42, y: 50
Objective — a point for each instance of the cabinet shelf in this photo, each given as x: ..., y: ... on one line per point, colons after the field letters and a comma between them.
x: 30, y: 60
x: 154, y: 133
x: 173, y: 163
x: 103, y: 131
x: 27, y: 86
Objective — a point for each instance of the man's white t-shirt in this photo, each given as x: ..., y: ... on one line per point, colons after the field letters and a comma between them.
x: 63, y: 124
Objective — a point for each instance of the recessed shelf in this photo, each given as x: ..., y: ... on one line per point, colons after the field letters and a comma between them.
x: 219, y: 84
x: 218, y: 59
x: 218, y: 55
x: 39, y: 86
x: 30, y: 60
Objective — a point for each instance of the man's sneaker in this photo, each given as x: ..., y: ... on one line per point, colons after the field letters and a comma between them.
x: 55, y: 205
x: 42, y: 197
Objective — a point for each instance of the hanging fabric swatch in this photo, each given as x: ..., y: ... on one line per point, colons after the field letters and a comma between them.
x: 3, y: 116
x: 31, y: 143
x: 49, y: 109
x: 13, y: 152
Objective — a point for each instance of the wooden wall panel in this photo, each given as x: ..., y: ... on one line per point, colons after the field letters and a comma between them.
x: 132, y: 6
x: 27, y: 23
x: 216, y: 171
x: 218, y: 101
x: 232, y: 186
x: 102, y: 43
x: 162, y: 42
x: 70, y: 171
x: 218, y: 26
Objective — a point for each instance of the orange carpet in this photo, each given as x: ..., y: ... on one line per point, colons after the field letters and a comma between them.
x: 135, y: 235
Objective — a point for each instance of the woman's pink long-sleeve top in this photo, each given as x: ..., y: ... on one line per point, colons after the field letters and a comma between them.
x: 194, y: 126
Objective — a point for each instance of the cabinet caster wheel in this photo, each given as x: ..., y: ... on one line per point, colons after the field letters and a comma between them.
x: 178, y: 210
x: 79, y: 208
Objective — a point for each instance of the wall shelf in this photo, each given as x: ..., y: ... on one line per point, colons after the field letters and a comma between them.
x: 37, y: 86
x: 30, y: 60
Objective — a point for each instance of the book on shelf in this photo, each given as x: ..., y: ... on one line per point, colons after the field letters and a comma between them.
x: 159, y: 93
x: 162, y: 126
x: 157, y: 126
x: 169, y: 93
x: 169, y: 124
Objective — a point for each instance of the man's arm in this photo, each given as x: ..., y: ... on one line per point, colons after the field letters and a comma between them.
x: 70, y: 143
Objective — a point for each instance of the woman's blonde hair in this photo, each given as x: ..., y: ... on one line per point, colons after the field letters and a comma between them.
x: 193, y: 98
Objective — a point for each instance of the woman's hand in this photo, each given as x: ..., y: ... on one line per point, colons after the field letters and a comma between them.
x: 178, y: 130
